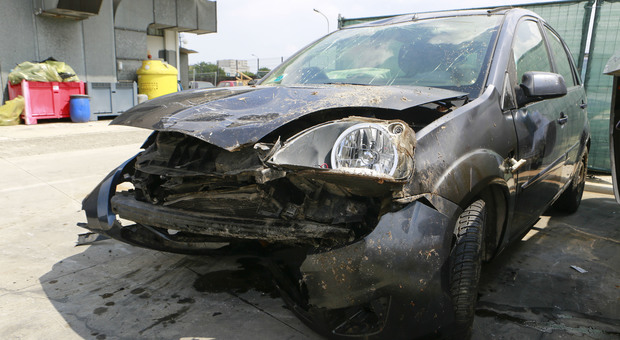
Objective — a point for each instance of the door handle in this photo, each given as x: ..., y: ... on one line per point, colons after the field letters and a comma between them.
x: 563, y: 118
x: 583, y: 105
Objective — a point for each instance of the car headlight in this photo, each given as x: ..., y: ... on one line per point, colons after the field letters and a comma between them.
x: 359, y: 146
x: 365, y: 146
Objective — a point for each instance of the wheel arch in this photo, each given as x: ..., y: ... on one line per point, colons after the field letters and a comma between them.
x: 496, y: 195
x: 474, y: 176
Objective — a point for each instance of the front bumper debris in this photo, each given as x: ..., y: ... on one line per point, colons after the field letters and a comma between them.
x: 266, y: 229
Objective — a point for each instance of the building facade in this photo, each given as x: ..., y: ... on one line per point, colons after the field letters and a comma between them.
x: 231, y: 66
x: 102, y: 40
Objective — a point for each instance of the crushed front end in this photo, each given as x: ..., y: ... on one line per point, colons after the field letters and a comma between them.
x: 304, y: 192
x: 351, y: 249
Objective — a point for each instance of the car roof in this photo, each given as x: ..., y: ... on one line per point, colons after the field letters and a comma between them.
x: 397, y: 19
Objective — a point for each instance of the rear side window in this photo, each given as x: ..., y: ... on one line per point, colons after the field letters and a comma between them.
x: 530, y: 53
x: 561, y: 58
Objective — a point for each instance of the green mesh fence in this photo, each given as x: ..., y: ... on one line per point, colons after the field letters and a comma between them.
x: 605, y: 41
x: 571, y: 20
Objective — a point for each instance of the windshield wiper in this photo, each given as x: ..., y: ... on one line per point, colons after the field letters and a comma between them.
x: 345, y: 83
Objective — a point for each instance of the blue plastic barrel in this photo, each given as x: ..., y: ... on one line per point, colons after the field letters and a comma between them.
x: 79, y: 108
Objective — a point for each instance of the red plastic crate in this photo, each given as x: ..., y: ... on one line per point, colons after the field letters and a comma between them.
x: 45, y: 100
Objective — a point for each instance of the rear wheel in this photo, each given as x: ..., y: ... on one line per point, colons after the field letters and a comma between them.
x: 570, y: 199
x: 466, y: 260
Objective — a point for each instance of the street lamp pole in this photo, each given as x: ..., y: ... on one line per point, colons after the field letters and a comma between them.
x: 324, y: 16
x: 257, y: 63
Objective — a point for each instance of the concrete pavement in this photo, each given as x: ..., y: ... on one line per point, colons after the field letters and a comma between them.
x: 50, y: 289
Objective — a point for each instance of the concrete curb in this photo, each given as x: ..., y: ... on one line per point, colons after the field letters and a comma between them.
x: 599, y: 188
x: 600, y: 185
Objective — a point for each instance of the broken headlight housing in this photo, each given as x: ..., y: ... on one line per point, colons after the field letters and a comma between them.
x: 358, y: 146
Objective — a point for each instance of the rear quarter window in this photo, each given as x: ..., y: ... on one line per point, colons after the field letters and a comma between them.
x: 561, y: 58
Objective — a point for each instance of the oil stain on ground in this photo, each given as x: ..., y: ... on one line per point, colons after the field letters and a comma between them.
x: 168, y: 319
x: 252, y: 276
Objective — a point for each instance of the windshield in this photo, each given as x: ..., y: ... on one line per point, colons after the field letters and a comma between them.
x: 449, y: 53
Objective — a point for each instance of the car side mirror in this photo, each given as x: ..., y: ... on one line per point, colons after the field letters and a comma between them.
x: 537, y: 86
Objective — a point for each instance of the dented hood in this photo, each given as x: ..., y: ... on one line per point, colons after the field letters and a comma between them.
x: 232, y: 117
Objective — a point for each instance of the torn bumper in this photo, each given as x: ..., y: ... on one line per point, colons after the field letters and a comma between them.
x: 104, y: 204
x: 97, y: 206
x: 101, y: 219
x: 237, y: 228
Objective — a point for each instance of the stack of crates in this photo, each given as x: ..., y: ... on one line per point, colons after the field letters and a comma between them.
x: 111, y: 99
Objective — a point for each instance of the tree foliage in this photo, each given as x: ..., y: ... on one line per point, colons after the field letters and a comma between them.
x: 250, y: 74
x: 207, y: 68
x: 206, y: 71
x: 263, y: 71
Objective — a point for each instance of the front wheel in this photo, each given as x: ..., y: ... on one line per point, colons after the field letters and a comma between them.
x: 465, y: 263
x: 570, y: 199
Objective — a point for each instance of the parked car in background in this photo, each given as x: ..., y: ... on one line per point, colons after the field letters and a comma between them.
x: 200, y: 84
x: 376, y: 169
x: 229, y: 83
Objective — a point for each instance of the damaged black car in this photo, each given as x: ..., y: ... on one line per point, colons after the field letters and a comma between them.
x: 377, y: 168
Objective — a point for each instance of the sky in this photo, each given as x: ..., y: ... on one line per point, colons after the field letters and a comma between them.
x: 272, y: 30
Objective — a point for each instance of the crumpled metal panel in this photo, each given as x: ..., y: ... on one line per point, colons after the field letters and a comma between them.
x: 231, y: 118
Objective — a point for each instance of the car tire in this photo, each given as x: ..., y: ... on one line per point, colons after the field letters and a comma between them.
x: 465, y: 263
x: 570, y: 199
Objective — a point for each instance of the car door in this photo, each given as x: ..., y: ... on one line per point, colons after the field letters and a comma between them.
x: 573, y: 110
x: 539, y: 128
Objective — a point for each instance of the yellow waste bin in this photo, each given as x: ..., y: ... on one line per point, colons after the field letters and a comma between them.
x: 156, y: 78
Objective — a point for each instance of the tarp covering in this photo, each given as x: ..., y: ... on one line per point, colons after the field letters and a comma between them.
x: 49, y: 70
x: 10, y: 111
